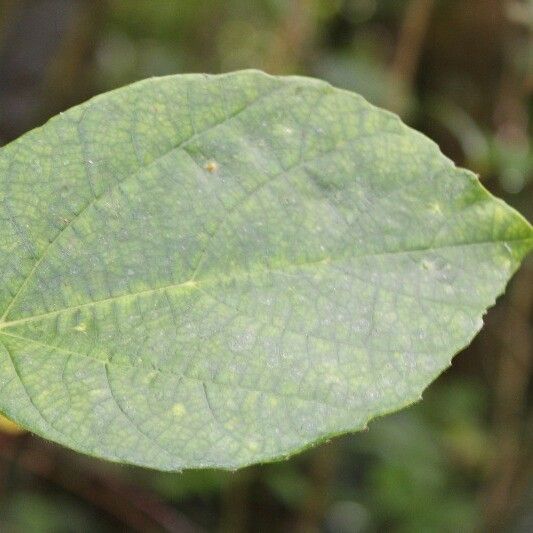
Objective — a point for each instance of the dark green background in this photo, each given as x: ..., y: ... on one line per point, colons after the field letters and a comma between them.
x: 461, y: 71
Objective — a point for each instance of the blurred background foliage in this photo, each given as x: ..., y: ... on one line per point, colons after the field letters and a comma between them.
x: 461, y: 71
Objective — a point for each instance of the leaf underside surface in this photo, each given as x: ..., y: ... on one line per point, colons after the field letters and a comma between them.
x: 214, y: 271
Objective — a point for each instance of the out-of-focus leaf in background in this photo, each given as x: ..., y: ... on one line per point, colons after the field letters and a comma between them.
x: 7, y: 426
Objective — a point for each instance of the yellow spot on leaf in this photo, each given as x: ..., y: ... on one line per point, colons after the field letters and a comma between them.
x: 435, y: 207
x: 211, y: 166
x: 179, y: 409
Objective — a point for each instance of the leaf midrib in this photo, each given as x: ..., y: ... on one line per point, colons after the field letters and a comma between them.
x: 196, y: 284
x: 182, y: 146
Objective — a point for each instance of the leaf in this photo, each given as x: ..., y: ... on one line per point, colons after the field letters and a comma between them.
x: 7, y: 426
x: 213, y: 271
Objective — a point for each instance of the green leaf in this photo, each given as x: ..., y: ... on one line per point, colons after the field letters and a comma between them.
x: 213, y: 271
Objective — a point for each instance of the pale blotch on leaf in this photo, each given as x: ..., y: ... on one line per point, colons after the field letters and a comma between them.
x: 436, y: 208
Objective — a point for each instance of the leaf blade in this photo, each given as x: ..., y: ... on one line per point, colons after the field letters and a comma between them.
x: 254, y: 264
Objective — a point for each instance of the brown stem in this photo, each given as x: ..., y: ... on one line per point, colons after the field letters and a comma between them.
x: 408, y: 51
x: 136, y: 508
x: 235, y: 502
x: 293, y: 38
x: 505, y: 484
x: 323, y: 468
